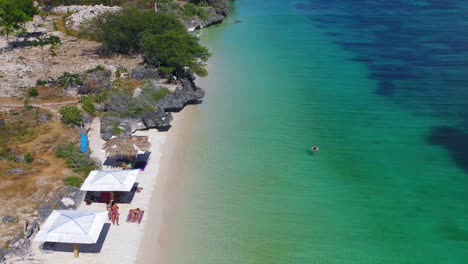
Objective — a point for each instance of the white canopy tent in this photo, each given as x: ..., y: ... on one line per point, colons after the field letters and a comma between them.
x: 115, y: 180
x: 72, y: 226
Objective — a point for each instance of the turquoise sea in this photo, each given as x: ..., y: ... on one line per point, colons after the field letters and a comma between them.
x: 380, y: 86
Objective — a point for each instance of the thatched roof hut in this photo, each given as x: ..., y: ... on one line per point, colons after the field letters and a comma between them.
x: 126, y: 146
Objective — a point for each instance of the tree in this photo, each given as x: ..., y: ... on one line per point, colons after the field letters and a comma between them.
x: 174, y: 50
x: 121, y: 32
x: 13, y: 15
x: 162, y: 38
x: 43, y: 41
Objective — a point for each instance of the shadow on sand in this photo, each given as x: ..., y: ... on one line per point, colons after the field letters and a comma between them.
x: 50, y: 247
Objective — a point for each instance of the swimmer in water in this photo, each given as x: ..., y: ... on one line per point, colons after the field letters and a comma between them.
x: 314, y: 149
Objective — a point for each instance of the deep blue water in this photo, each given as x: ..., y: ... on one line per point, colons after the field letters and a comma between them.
x: 417, y: 51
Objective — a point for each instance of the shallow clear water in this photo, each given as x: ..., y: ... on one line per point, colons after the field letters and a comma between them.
x: 380, y: 87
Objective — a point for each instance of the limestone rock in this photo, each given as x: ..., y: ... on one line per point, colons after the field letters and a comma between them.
x: 43, y: 117
x: 141, y: 73
x: 186, y: 73
x: 118, y: 103
x: 189, y: 93
x: 83, y: 13
x: 216, y: 15
x: 96, y: 82
x: 157, y: 118
x: 40, y: 162
x: 9, y: 219
x: 17, y: 171
x: 45, y: 210
x: 128, y: 125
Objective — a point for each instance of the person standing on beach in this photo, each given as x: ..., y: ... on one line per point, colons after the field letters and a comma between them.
x: 114, y: 213
x: 109, y: 209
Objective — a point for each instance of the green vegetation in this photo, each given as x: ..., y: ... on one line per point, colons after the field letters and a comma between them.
x: 95, y: 69
x: 121, y: 32
x: 32, y: 92
x: 28, y: 158
x: 14, y: 14
x: 74, y: 181
x: 74, y: 159
x: 88, y: 104
x: 41, y: 82
x: 174, y: 51
x: 158, y: 95
x: 69, y: 79
x: 99, y: 98
x: 191, y: 10
x: 71, y: 115
x: 162, y: 39
x: 116, y: 129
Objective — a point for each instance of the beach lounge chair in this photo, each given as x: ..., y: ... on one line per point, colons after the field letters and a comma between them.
x: 135, y: 216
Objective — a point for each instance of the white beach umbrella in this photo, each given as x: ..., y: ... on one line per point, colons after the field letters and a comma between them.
x: 115, y: 180
x: 72, y: 226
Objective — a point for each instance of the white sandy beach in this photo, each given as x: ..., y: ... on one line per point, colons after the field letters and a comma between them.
x: 121, y: 243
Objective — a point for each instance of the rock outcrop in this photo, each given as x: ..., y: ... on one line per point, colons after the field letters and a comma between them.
x: 142, y: 72
x: 216, y: 15
x: 83, y: 13
x: 96, y: 82
x: 139, y: 111
x: 9, y: 219
x: 189, y: 93
x: 157, y: 118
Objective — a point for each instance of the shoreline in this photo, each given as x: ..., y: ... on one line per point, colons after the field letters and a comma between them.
x: 156, y: 236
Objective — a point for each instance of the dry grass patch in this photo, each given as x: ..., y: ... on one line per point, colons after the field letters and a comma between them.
x: 25, y: 182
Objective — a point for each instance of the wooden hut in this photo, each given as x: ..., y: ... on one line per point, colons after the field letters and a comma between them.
x: 126, y: 146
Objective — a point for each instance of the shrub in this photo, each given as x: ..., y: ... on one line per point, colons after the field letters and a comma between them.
x: 120, y: 32
x: 74, y: 159
x: 41, y: 82
x: 32, y: 92
x: 162, y: 38
x: 191, y: 10
x: 116, y: 130
x: 161, y: 93
x: 98, y: 98
x: 88, y: 104
x: 71, y: 115
x: 95, y: 69
x: 69, y: 79
x: 73, y: 181
x: 28, y: 158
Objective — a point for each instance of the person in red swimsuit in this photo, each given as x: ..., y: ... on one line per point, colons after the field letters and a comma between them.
x: 114, y: 213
